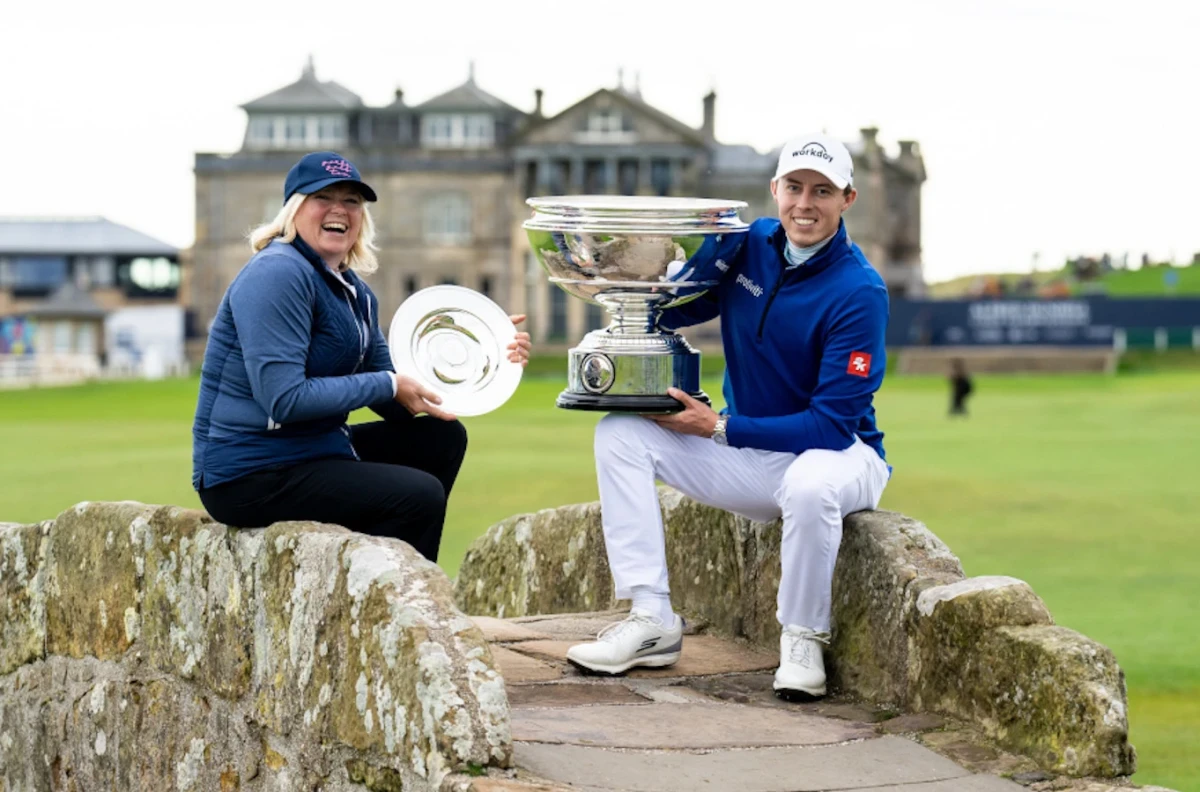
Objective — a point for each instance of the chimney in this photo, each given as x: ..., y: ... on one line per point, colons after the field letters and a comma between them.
x: 537, y: 102
x: 908, y: 148
x: 868, y: 136
x: 399, y: 96
x: 708, y: 128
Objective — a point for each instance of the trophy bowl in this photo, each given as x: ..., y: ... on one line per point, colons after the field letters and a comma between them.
x: 636, y: 256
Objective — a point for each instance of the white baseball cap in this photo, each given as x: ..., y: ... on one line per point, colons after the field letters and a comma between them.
x: 819, y: 153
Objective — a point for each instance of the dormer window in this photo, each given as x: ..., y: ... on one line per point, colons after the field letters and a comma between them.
x: 458, y: 130
x: 607, y: 126
x: 296, y: 131
x: 603, y: 121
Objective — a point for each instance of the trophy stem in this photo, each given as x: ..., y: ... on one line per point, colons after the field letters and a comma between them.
x: 632, y: 315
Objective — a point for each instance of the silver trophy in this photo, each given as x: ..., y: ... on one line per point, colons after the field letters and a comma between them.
x: 635, y: 256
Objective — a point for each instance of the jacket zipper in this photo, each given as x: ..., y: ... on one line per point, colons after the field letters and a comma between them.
x: 358, y: 327
x: 346, y: 431
x: 783, y: 271
x: 362, y: 353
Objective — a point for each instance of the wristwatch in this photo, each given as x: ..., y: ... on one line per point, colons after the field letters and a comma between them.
x: 718, y: 434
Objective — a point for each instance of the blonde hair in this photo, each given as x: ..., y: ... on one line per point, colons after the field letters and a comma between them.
x: 361, y: 257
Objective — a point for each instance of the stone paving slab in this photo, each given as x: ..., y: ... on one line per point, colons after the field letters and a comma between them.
x: 976, y: 783
x: 973, y: 754
x: 912, y: 723
x: 511, y: 785
x: 702, y: 655
x: 871, y: 764
x: 681, y: 726
x: 518, y: 669
x: 571, y: 626
x: 502, y: 631
x: 576, y: 694
x: 756, y: 689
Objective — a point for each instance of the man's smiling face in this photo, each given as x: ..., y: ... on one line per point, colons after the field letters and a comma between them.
x: 810, y: 206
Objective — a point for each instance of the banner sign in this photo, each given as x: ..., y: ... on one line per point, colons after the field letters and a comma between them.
x: 1086, y: 321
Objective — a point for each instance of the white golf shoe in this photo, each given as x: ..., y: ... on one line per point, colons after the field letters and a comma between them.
x: 801, y: 674
x: 640, y: 640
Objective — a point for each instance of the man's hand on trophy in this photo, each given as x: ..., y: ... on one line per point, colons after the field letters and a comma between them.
x: 418, y: 399
x: 697, y: 418
x: 519, y: 349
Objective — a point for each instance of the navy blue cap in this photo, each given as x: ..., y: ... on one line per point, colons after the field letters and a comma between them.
x: 320, y: 169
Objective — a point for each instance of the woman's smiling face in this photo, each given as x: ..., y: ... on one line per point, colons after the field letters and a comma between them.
x: 330, y: 220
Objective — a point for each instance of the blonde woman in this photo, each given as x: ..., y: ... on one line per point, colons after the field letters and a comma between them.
x: 294, y: 348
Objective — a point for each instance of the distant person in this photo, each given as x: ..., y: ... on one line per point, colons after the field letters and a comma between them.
x: 803, y: 315
x: 960, y: 387
x: 294, y: 348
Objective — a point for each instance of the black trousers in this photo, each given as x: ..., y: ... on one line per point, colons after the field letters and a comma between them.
x: 398, y: 488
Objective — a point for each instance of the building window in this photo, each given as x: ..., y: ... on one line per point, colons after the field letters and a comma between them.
x: 146, y: 276
x: 85, y: 339
x: 62, y: 336
x: 558, y: 177
x: 297, y: 131
x: 530, y: 178
x: 627, y: 176
x: 660, y: 176
x: 154, y: 274
x: 594, y: 316
x: 262, y: 131
x: 558, y: 314
x: 448, y: 280
x: 331, y: 130
x: 606, y: 126
x: 595, y: 176
x: 104, y: 272
x: 448, y: 219
x: 485, y: 285
x: 411, y: 286
x: 458, y: 130
x: 36, y: 275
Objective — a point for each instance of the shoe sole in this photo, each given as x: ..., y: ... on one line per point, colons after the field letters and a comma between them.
x: 648, y: 661
x: 799, y: 695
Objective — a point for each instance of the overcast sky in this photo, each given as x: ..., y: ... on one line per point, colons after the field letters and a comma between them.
x: 1055, y: 128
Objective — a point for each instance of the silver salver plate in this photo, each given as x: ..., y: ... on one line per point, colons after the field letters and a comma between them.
x: 454, y: 340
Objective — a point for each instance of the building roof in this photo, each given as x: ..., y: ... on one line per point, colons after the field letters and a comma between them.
x: 307, y: 93
x: 631, y: 99
x: 467, y: 96
x: 87, y: 236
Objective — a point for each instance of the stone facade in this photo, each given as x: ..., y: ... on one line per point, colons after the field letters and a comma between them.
x: 453, y: 173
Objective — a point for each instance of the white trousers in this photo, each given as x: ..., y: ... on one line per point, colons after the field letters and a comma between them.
x: 812, y: 492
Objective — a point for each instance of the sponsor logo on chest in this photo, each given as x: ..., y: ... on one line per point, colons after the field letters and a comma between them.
x: 749, y: 285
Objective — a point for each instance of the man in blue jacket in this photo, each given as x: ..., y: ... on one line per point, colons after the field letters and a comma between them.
x: 803, y: 316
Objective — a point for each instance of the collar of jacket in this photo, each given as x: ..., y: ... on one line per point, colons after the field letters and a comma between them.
x: 312, y: 257
x: 838, y: 244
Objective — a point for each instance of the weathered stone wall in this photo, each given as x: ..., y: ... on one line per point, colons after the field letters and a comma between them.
x: 909, y: 628
x: 148, y: 648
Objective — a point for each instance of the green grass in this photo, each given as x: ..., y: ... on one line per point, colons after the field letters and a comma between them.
x: 1148, y: 282
x: 1144, y: 282
x: 1085, y: 486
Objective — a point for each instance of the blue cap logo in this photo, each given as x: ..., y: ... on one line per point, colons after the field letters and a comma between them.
x: 320, y: 169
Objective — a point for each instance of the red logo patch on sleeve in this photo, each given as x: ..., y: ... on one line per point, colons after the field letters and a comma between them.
x: 860, y: 364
